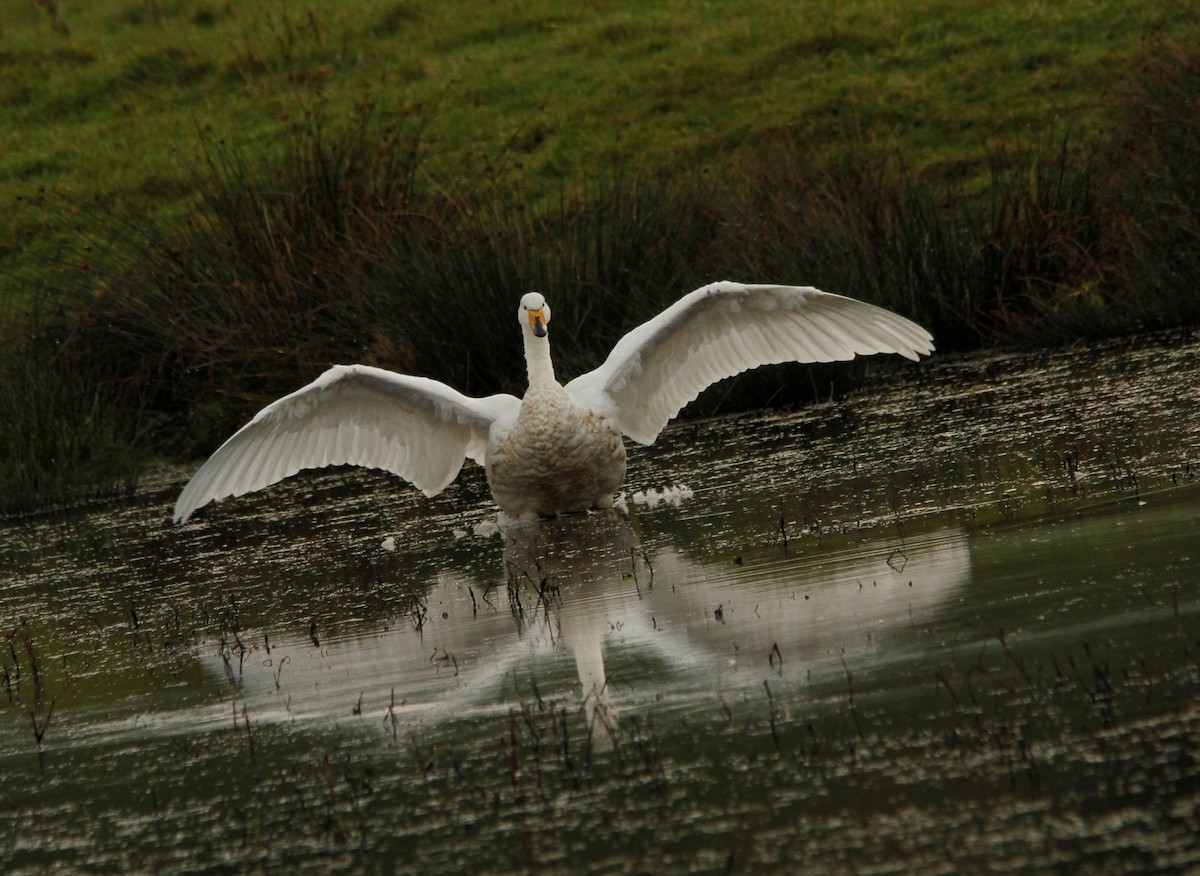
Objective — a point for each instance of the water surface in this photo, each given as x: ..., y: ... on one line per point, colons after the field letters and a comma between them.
x: 946, y: 624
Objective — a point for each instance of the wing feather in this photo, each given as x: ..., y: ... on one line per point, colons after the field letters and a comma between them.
x: 723, y: 329
x: 416, y: 428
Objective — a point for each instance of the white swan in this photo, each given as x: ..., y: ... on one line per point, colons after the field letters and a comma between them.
x: 559, y: 449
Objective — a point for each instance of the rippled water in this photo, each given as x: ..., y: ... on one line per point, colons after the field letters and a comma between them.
x: 948, y: 624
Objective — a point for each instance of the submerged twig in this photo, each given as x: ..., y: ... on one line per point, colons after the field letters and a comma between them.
x: 773, y: 714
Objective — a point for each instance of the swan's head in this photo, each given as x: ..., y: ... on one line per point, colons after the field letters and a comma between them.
x: 535, y: 313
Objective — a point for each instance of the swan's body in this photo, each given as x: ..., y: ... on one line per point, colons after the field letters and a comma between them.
x: 559, y: 449
x: 556, y: 458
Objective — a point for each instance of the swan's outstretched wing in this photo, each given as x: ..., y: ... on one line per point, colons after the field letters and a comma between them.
x: 417, y: 428
x: 725, y: 329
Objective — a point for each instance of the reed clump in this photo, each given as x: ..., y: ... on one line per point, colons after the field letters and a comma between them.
x: 63, y: 438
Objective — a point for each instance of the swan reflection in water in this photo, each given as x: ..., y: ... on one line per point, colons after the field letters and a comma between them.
x: 640, y: 626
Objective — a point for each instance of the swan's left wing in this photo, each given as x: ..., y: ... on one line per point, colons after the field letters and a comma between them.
x: 724, y: 329
x: 417, y: 428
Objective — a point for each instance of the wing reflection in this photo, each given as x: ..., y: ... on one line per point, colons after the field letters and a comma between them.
x: 662, y: 628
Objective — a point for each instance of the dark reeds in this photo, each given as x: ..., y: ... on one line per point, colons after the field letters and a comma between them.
x: 972, y: 266
x: 245, y: 298
x: 1157, y: 157
x: 64, y: 438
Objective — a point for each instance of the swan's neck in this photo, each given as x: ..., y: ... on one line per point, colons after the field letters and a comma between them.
x: 537, y: 360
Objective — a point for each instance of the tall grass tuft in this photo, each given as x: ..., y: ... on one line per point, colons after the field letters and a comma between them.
x: 1158, y: 156
x: 973, y: 266
x: 205, y: 321
x: 62, y: 439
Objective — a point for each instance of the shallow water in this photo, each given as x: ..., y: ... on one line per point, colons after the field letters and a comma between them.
x: 947, y: 624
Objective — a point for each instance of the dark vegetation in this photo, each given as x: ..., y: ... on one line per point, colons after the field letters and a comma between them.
x: 151, y: 339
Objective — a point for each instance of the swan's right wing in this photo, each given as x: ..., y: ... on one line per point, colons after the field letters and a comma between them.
x: 414, y: 427
x: 724, y: 329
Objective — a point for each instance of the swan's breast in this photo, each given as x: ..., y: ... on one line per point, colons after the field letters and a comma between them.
x: 557, y: 458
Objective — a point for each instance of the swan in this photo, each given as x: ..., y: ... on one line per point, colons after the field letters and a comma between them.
x: 559, y: 449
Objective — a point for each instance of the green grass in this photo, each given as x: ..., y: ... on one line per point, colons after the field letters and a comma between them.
x: 109, y: 104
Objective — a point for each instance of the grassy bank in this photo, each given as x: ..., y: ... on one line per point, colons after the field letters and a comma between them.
x: 329, y: 227
x: 103, y: 100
